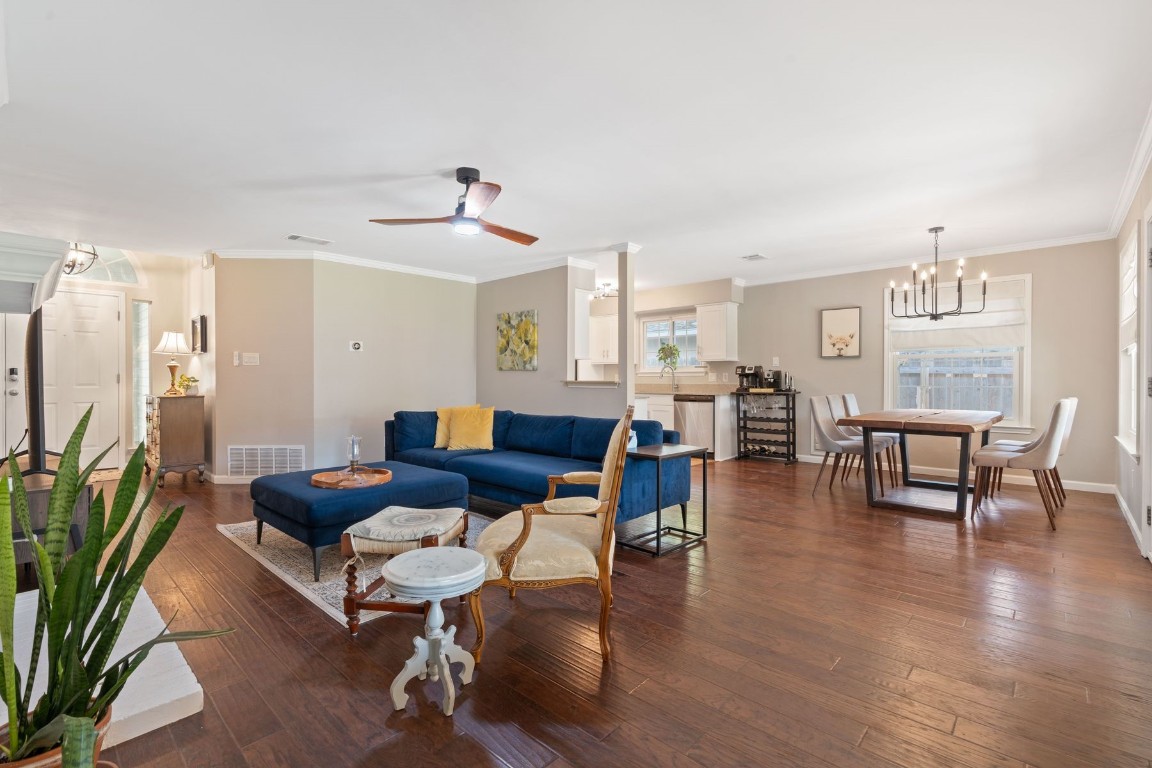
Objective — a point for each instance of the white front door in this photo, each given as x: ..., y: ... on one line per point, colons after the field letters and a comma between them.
x: 14, y: 406
x: 82, y: 362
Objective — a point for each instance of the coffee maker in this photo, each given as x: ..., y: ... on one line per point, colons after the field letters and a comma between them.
x: 750, y: 376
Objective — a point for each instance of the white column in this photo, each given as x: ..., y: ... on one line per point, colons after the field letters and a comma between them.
x: 626, y: 318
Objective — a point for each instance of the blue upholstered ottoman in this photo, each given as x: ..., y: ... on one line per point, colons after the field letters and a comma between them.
x: 317, y: 516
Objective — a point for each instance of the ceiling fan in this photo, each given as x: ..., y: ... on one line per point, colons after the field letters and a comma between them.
x: 478, y: 195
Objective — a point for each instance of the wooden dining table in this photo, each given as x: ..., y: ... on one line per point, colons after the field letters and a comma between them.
x: 920, y: 495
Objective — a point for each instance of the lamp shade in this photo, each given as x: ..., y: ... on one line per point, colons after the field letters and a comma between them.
x: 172, y: 343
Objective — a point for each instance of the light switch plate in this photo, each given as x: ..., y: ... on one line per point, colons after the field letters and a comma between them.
x: 775, y: 362
x: 250, y: 358
x: 711, y: 378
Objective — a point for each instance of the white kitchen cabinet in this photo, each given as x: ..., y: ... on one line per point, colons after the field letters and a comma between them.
x: 603, y: 339
x: 716, y: 331
x: 640, y: 409
x: 662, y: 409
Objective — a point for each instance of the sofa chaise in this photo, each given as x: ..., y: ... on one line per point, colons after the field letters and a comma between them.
x: 527, y: 448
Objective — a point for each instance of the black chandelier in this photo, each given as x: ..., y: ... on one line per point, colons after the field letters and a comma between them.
x: 929, y: 306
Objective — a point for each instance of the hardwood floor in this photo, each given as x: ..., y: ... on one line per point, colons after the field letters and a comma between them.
x: 808, y: 630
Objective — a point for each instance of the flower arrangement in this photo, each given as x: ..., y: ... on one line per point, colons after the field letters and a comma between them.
x: 669, y: 355
x: 186, y: 382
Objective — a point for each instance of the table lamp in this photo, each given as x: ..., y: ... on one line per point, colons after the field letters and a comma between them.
x: 172, y: 343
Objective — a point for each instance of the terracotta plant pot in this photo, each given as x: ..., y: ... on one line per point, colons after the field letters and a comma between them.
x: 52, y: 758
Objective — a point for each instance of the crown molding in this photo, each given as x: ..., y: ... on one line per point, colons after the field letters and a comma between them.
x: 337, y: 258
x: 581, y: 263
x: 974, y: 253
x: 528, y: 269
x: 1141, y: 157
x: 624, y: 247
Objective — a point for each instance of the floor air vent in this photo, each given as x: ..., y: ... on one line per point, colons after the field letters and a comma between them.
x: 256, y: 460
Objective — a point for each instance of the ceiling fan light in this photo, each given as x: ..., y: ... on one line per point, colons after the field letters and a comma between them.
x: 466, y: 226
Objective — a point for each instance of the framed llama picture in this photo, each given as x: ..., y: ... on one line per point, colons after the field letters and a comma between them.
x: 840, y: 332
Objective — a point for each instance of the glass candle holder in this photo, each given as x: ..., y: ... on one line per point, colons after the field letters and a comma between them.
x: 353, y: 452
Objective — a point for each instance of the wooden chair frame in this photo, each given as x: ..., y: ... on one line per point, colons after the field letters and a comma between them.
x: 357, y: 600
x: 603, y: 581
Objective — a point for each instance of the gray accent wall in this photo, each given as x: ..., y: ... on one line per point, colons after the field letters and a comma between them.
x: 542, y: 391
x: 1073, y: 346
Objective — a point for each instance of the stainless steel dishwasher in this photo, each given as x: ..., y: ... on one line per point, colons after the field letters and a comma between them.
x: 695, y: 420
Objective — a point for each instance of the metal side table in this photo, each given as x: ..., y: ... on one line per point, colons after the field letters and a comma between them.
x: 652, y: 542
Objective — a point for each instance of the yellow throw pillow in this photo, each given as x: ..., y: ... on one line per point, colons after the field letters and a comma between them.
x: 471, y: 428
x: 444, y: 423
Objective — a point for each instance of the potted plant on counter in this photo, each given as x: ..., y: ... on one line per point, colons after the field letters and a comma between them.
x: 83, y: 603
x: 669, y: 355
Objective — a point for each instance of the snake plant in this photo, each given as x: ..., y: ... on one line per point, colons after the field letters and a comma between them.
x: 83, y: 602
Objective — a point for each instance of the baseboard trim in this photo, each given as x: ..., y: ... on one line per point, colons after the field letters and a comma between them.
x: 227, y: 479
x: 1126, y: 513
x: 1072, y: 485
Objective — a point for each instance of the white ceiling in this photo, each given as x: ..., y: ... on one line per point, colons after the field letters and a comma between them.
x: 826, y: 135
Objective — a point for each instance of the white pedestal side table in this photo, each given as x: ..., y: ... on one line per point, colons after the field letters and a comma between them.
x: 432, y: 574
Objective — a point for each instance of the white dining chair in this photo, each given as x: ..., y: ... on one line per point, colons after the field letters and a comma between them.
x: 1040, y: 458
x: 832, y: 441
x: 1022, y: 445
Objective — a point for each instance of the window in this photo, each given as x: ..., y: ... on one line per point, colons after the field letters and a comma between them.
x: 966, y: 379
x: 1127, y: 428
x: 971, y: 362
x: 113, y: 266
x: 679, y: 330
x: 141, y: 376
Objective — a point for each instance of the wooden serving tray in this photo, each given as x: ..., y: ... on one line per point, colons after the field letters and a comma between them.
x: 365, y: 477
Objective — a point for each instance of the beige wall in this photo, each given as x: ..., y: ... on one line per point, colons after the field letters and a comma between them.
x: 263, y: 306
x: 419, y: 352
x: 543, y: 390
x: 1073, y: 345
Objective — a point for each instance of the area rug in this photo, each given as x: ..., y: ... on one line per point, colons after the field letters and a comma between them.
x: 291, y: 562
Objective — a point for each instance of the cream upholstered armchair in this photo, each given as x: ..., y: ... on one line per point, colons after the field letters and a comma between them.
x: 561, y: 541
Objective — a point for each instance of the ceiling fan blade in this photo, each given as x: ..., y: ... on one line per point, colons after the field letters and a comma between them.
x: 480, y: 196
x: 441, y: 220
x: 507, y: 234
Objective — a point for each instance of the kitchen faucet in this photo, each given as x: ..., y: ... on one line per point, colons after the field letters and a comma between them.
x: 673, y: 370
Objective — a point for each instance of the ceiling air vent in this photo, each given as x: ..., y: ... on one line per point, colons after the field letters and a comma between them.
x: 306, y: 239
x: 755, y: 257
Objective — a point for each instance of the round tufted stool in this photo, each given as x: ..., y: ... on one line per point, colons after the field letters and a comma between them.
x: 392, y: 531
x: 434, y: 574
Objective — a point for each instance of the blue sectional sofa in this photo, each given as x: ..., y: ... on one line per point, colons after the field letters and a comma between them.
x: 527, y: 448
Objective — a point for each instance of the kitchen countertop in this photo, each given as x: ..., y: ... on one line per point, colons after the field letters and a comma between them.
x: 663, y: 388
